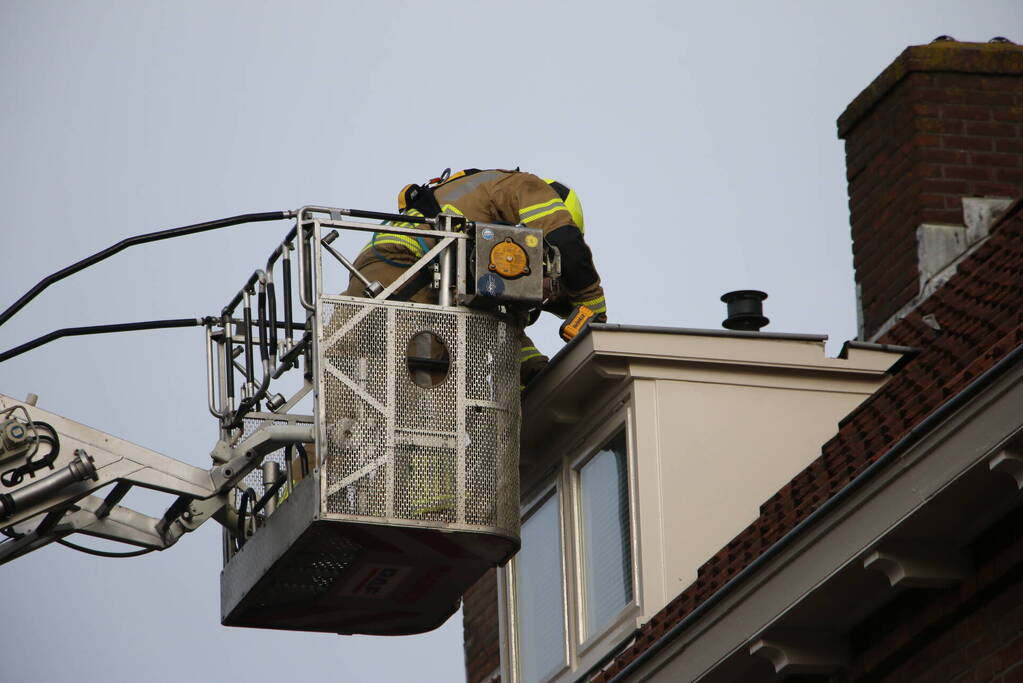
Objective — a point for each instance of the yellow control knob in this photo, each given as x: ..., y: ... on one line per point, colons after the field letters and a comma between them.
x: 509, y: 260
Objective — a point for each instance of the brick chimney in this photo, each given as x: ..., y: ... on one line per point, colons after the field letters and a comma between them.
x: 934, y: 150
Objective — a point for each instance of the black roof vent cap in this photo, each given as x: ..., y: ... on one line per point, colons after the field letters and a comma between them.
x: 745, y: 310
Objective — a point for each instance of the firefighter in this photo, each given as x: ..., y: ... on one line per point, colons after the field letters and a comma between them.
x: 497, y: 196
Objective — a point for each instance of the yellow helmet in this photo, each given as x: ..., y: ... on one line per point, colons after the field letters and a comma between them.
x: 407, y: 195
x: 571, y: 199
x: 412, y: 194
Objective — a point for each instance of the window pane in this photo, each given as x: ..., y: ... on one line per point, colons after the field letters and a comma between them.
x: 606, y: 544
x: 541, y: 636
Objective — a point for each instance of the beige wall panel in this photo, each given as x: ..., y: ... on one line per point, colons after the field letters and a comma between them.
x: 724, y: 450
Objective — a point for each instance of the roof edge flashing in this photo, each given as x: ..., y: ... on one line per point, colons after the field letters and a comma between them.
x: 559, y: 358
x: 705, y: 332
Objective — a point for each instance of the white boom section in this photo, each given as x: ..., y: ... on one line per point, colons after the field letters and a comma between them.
x: 49, y: 502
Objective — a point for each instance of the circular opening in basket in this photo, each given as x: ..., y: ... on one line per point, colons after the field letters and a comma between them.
x: 428, y: 360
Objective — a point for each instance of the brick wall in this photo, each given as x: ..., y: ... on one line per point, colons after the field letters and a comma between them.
x: 943, y: 122
x: 481, y: 637
x: 965, y: 634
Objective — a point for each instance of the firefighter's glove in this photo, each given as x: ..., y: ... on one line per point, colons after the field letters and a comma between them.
x: 580, y: 317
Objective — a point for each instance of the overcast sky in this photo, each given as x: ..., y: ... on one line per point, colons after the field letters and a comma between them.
x: 700, y: 137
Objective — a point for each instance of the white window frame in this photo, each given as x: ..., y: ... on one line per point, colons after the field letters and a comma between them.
x: 626, y: 615
x: 547, y: 492
x: 581, y: 445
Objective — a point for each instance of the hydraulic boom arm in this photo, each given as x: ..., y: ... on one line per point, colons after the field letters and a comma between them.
x: 51, y: 467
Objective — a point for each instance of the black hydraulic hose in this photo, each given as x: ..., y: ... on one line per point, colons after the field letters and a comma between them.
x: 247, y: 317
x: 377, y: 215
x: 897, y: 450
x: 281, y: 248
x: 281, y: 252
x: 271, y: 304
x: 252, y: 401
x: 249, y: 403
x: 249, y: 286
x: 225, y: 321
x: 99, y: 329
x: 249, y: 500
x: 308, y: 353
x: 289, y: 359
x: 270, y: 493
x: 288, y: 314
x: 174, y: 511
x: 247, y: 496
x: 104, y: 553
x: 304, y: 457
x: 264, y: 351
x: 132, y: 241
x: 16, y: 475
x: 289, y: 455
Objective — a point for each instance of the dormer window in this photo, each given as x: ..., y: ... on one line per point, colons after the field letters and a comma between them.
x: 540, y: 594
x: 605, y: 552
x: 573, y: 581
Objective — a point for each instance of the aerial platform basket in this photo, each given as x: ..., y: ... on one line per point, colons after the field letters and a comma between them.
x: 415, y: 486
x: 366, y: 467
x: 410, y: 492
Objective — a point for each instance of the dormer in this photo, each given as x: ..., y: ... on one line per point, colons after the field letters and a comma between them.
x: 644, y: 451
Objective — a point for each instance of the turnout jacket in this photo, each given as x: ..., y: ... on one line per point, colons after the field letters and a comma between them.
x: 500, y: 196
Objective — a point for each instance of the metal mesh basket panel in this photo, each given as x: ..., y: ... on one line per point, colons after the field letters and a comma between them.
x: 420, y: 410
x: 444, y: 451
x: 492, y: 484
x: 425, y: 483
x: 355, y: 380
x: 491, y: 372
